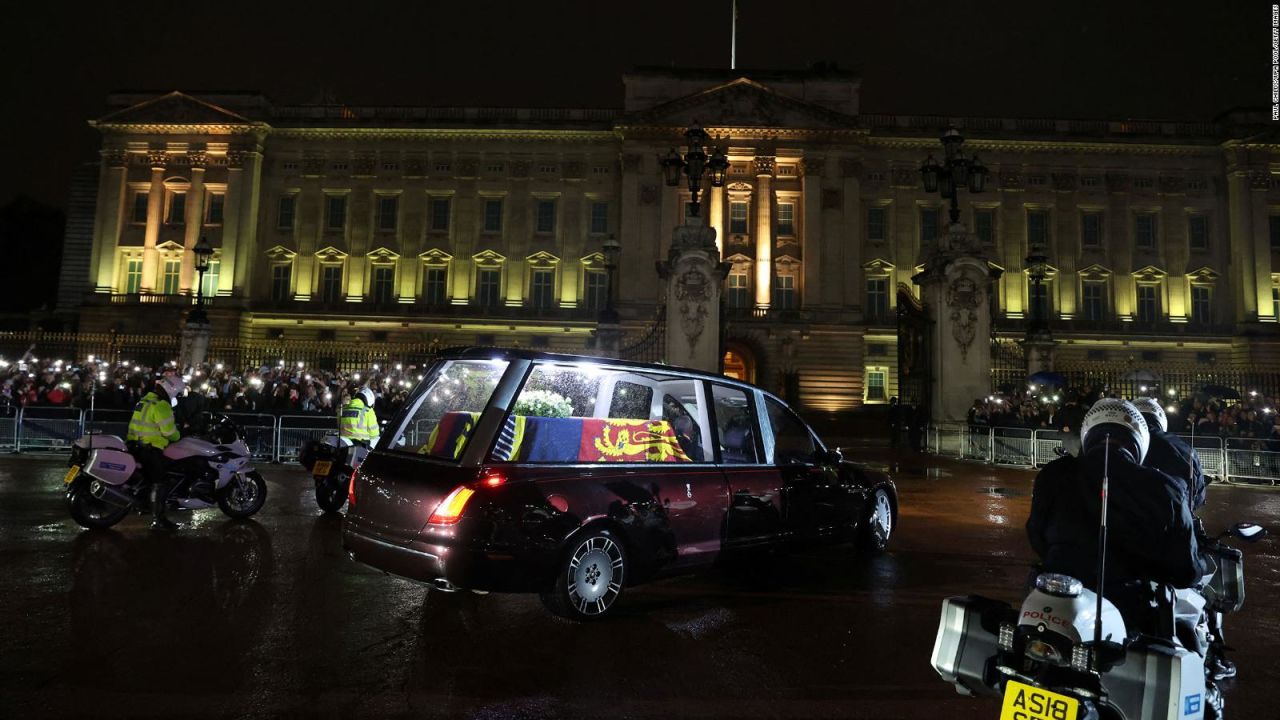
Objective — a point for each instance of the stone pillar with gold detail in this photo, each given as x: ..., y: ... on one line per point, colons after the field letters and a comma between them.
x: 155, y: 209
x: 198, y: 160
x: 955, y: 285
x: 694, y: 277
x: 108, y: 220
x: 763, y: 201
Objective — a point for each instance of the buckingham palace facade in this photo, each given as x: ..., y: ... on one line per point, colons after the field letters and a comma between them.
x: 487, y: 225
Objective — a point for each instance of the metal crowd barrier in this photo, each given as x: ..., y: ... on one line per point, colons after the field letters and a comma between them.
x: 1238, y: 459
x: 9, y: 428
x: 48, y: 428
x: 294, y: 430
x: 259, y: 434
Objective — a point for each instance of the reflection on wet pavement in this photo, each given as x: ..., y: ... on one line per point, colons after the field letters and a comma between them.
x: 268, y: 618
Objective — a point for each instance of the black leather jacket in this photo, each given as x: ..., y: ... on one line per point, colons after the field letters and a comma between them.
x: 1172, y: 455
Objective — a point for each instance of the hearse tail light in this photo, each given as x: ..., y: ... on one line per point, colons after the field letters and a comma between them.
x: 493, y: 479
x: 351, y: 489
x: 449, y: 511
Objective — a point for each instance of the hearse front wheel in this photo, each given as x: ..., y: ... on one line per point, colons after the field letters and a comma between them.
x: 877, y: 527
x: 590, y: 577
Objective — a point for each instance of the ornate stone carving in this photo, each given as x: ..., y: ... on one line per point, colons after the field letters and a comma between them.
x: 814, y: 165
x: 648, y: 194
x: 198, y: 159
x: 1064, y: 182
x: 850, y: 168
x: 630, y: 163
x: 115, y: 158
x: 362, y: 166
x: 1010, y: 180
x: 693, y: 291
x: 1117, y: 182
x: 964, y: 296
x: 764, y: 165
x: 831, y: 199
x: 1259, y: 180
x: 157, y: 158
x: 1171, y: 184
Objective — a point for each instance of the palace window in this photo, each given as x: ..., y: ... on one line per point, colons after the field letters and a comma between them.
x: 542, y: 288
x: 439, y: 214
x: 1198, y: 232
x: 599, y: 218
x: 487, y: 287
x: 384, y: 279
x: 140, y: 201
x: 984, y: 226
x: 738, y: 218
x: 784, y: 291
x: 1038, y: 227
x: 330, y: 283
x: 209, y: 284
x: 1275, y: 302
x: 133, y: 276
x: 1274, y: 228
x: 739, y: 289
x: 1094, y: 302
x: 493, y: 215
x: 1148, y: 303
x: 786, y: 219
x: 172, y: 271
x: 546, y: 217
x: 284, y: 215
x: 877, y: 298
x: 876, y: 384
x: 928, y: 226
x: 336, y: 212
x: 597, y: 289
x: 280, y: 281
x: 1200, y: 305
x: 217, y: 201
x: 433, y: 285
x: 177, y: 208
x: 1091, y: 229
x: 388, y: 210
x: 1144, y: 230
x: 876, y: 223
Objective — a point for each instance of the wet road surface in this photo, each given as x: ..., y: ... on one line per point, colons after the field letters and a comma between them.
x: 268, y: 618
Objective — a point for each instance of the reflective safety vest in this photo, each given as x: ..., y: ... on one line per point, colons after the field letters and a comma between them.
x: 358, y: 422
x: 152, y: 422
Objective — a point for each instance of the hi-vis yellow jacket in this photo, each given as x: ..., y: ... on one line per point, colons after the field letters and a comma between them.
x: 152, y: 422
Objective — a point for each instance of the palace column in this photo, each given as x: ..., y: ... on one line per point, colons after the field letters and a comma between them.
x: 243, y: 245
x: 155, y: 207
x: 106, y: 236
x: 195, y: 219
x: 763, y: 200
x: 715, y: 205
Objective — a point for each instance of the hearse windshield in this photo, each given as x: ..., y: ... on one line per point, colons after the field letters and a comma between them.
x: 449, y: 408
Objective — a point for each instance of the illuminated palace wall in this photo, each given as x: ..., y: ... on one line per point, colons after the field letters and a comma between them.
x: 466, y: 225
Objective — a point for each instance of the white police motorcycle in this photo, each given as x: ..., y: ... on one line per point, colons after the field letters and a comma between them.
x: 104, y: 482
x: 331, y: 461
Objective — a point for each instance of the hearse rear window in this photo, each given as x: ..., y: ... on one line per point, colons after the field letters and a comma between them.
x: 586, y: 413
x: 450, y: 407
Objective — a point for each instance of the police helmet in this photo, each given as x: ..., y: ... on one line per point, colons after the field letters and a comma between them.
x: 1119, y: 419
x: 366, y: 394
x: 1152, y: 413
x: 172, y: 386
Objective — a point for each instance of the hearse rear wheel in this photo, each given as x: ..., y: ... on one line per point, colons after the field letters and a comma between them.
x: 590, y: 577
x: 877, y: 527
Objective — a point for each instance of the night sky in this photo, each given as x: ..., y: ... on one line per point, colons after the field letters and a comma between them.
x: 1024, y: 58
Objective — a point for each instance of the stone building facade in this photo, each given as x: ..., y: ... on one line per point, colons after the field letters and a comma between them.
x: 487, y: 225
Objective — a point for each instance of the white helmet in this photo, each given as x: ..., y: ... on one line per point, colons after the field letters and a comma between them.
x: 1150, y: 410
x: 173, y: 386
x: 366, y: 394
x: 1118, y: 416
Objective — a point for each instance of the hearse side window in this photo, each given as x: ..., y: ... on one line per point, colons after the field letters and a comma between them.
x: 587, y: 414
x: 792, y: 442
x: 449, y: 409
x: 735, y: 426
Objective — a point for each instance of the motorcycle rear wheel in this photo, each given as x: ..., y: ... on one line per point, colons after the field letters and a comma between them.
x: 244, y: 495
x: 330, y: 495
x: 90, y: 512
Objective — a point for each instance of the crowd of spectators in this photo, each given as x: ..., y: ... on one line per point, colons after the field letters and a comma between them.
x: 287, y: 388
x: 1251, y: 416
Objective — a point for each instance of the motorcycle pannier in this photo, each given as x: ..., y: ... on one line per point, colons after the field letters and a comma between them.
x: 1225, y: 591
x: 967, y: 643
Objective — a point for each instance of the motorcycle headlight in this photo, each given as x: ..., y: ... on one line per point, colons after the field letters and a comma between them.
x: 1059, y: 585
x: 1041, y: 650
x: 1080, y: 658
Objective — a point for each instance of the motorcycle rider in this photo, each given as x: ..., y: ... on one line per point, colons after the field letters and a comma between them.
x: 358, y: 421
x: 1173, y: 456
x: 151, y: 429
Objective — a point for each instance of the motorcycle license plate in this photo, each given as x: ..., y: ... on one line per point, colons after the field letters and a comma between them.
x: 1026, y: 702
x: 321, y: 468
x: 72, y: 472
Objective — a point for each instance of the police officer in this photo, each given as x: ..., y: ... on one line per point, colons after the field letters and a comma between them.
x: 151, y: 429
x: 358, y: 422
x: 1150, y: 529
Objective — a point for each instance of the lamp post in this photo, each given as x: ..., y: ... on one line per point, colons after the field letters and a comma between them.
x: 612, y: 249
x: 203, y: 252
x: 954, y: 172
x: 1037, y: 262
x: 694, y: 164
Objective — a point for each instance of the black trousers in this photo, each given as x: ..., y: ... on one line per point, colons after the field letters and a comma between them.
x: 155, y: 468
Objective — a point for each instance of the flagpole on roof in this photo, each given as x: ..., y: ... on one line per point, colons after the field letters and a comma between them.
x: 733, y: 41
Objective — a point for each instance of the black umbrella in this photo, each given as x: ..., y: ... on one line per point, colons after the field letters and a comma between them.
x: 1219, y: 391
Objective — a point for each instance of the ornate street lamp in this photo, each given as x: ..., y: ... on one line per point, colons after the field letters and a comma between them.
x: 953, y: 173
x: 1037, y: 265
x: 203, y: 252
x: 694, y: 164
x: 612, y: 249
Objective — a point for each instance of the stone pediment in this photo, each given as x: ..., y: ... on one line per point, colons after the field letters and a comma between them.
x: 174, y: 109
x: 436, y: 256
x: 741, y: 103
x: 280, y: 253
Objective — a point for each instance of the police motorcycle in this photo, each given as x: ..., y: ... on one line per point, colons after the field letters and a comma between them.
x: 332, y: 461
x: 104, y: 482
x: 1067, y: 654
